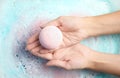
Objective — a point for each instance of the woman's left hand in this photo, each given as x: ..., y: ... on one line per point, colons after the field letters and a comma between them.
x: 74, y: 57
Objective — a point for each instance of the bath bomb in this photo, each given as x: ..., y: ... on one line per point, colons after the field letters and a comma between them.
x: 50, y: 37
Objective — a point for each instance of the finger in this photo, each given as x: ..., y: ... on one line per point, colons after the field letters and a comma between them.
x: 47, y: 56
x: 43, y: 51
x: 40, y: 49
x: 58, y: 63
x: 33, y: 38
x: 33, y: 45
x: 37, y: 49
x: 61, y: 53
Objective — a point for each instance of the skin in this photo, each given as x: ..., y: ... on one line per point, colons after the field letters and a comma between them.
x: 71, y: 54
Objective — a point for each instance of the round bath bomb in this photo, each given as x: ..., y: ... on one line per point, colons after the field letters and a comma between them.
x: 50, y: 37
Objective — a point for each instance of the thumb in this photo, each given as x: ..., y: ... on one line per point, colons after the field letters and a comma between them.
x: 58, y: 63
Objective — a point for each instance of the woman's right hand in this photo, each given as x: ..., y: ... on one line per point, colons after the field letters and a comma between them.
x: 73, y: 29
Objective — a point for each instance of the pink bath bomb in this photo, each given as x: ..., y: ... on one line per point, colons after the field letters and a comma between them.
x: 50, y: 37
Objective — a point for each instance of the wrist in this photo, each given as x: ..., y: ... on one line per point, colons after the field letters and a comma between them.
x: 92, y: 27
x: 98, y: 60
x: 102, y: 62
x: 91, y: 63
x: 95, y: 59
x: 90, y: 60
x: 85, y: 26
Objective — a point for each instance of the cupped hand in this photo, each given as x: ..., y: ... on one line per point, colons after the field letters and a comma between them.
x: 72, y: 28
x: 73, y: 57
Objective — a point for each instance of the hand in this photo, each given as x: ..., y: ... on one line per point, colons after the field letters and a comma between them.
x: 73, y: 29
x: 73, y: 57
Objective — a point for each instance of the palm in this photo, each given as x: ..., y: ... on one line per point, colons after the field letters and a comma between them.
x: 73, y: 57
x: 71, y: 28
x: 77, y: 52
x: 71, y: 38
